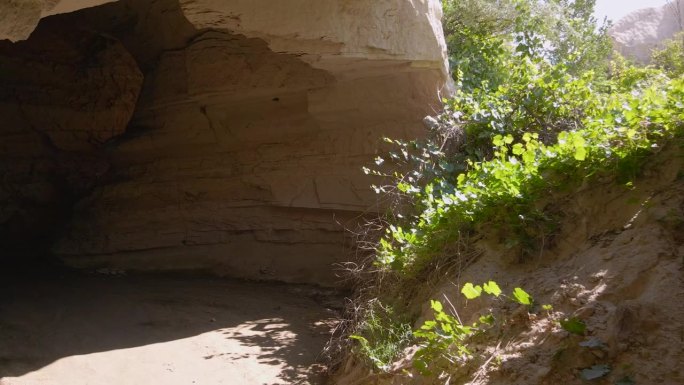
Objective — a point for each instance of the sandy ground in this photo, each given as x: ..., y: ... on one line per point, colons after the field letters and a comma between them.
x: 96, y: 330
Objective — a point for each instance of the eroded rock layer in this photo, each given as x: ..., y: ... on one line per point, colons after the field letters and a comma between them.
x: 244, y: 154
x: 63, y: 94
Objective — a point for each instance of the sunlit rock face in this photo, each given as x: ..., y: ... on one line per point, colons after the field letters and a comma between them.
x: 243, y: 154
x: 637, y: 34
x: 18, y: 18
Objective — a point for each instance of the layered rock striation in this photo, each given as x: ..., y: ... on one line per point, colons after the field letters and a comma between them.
x: 240, y: 152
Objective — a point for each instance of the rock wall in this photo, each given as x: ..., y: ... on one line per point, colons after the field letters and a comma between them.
x: 637, y: 34
x: 243, y: 156
x: 63, y: 94
x: 18, y: 18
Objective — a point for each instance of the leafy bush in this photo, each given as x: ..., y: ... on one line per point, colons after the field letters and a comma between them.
x: 538, y: 111
x: 444, y: 339
x: 670, y: 57
x: 617, y: 131
x: 482, y: 35
x: 500, y: 146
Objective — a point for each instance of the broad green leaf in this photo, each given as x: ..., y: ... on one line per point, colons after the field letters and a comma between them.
x: 631, y: 133
x: 446, y: 328
x: 470, y: 291
x: 442, y: 316
x: 460, y: 179
x: 487, y: 319
x: 580, y: 153
x: 437, y: 306
x: 573, y: 325
x: 518, y: 149
x: 522, y: 297
x: 492, y: 288
x: 403, y: 187
x: 428, y: 325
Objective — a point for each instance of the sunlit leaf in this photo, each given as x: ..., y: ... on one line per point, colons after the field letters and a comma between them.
x: 487, y: 319
x: 522, y: 297
x: 518, y: 149
x: 492, y: 288
x: 470, y: 291
x: 361, y: 339
x: 437, y: 306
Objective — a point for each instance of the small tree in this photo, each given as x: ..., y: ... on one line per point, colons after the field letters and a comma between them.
x: 670, y: 57
x: 484, y: 35
x: 576, y: 37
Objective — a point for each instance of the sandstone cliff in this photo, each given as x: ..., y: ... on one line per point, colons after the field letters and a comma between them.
x: 242, y: 153
x: 637, y: 34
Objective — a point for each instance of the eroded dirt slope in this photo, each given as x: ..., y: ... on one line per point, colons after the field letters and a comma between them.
x: 616, y: 266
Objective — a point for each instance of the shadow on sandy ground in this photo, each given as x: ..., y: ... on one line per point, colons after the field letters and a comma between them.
x: 99, y: 330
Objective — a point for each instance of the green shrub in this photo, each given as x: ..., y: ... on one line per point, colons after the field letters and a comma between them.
x: 670, y: 57
x: 443, y: 341
x: 617, y: 132
x: 538, y: 111
x: 382, y: 335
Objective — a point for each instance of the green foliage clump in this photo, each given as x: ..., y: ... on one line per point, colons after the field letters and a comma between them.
x: 482, y: 36
x: 540, y: 108
x: 498, y: 152
x: 670, y: 57
x: 443, y: 341
x: 382, y: 335
x: 616, y: 132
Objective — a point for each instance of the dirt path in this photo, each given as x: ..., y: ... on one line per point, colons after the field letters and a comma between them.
x: 97, y: 331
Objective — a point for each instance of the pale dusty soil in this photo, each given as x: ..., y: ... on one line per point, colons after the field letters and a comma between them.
x: 98, y: 330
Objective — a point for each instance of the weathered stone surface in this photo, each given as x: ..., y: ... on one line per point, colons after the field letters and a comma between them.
x: 637, y: 34
x: 244, y: 153
x: 18, y: 18
x: 329, y: 34
x: 62, y: 95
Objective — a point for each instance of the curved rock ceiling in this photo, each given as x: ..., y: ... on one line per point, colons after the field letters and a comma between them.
x: 242, y: 155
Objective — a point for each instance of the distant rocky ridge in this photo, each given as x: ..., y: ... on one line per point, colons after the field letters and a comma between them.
x: 637, y: 34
